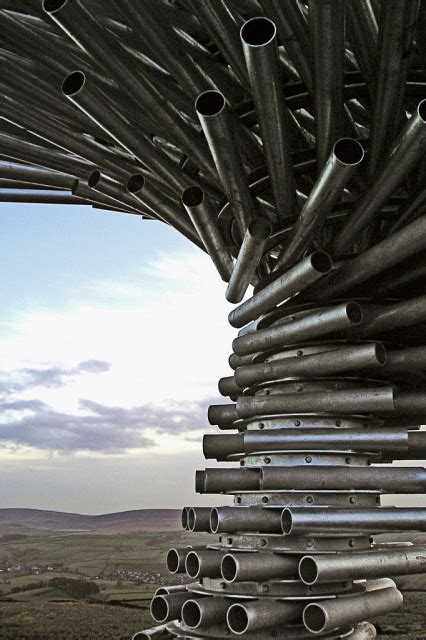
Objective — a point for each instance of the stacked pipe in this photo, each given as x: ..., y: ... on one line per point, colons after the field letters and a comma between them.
x: 286, y: 140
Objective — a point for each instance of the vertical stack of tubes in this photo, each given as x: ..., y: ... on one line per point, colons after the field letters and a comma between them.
x: 286, y: 140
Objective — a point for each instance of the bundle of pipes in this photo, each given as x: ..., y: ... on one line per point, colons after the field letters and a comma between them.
x: 286, y: 140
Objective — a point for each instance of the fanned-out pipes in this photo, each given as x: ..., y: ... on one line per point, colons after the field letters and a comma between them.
x: 243, y: 124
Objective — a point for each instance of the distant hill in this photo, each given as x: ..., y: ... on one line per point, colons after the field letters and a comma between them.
x: 33, y: 520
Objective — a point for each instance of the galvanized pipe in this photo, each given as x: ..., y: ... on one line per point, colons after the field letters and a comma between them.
x: 258, y: 36
x: 250, y: 617
x: 370, y: 564
x: 238, y: 519
x: 199, y: 518
x: 204, y: 563
x: 204, y: 612
x: 260, y: 567
x: 165, y: 608
x: 222, y: 480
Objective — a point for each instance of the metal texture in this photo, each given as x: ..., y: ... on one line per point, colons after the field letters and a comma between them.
x: 224, y: 119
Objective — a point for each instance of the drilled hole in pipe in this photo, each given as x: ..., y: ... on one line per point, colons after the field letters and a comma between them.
x: 73, y: 83
x: 237, y: 618
x: 192, y: 564
x: 258, y: 31
x: 308, y: 570
x: 159, y: 608
x: 210, y: 103
x: 348, y: 151
x: 192, y: 197
x: 228, y: 568
x: 135, y: 183
x: 191, y: 613
x: 314, y: 618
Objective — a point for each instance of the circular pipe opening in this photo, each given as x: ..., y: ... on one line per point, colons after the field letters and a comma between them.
x: 50, y: 6
x: 422, y: 110
x: 314, y: 618
x: 161, y: 591
x: 192, y: 564
x: 258, y: 31
x: 354, y: 312
x: 214, y: 520
x: 228, y: 568
x: 380, y: 353
x: 159, y: 608
x: 348, y: 151
x: 184, y: 517
x: 135, y: 183
x: 237, y: 618
x: 286, y: 521
x: 321, y: 261
x: 192, y: 197
x: 74, y: 186
x: 191, y: 613
x: 94, y: 178
x: 191, y: 519
x: 260, y: 228
x: 73, y: 83
x: 210, y: 103
x: 308, y: 571
x: 172, y: 560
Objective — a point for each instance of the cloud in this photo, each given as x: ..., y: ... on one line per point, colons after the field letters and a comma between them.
x: 97, y: 427
x: 51, y: 377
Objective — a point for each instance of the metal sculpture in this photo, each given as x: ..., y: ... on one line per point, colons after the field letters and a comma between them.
x: 286, y: 139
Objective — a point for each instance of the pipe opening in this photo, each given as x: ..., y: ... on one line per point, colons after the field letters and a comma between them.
x: 161, y: 591
x: 73, y: 83
x: 348, y: 151
x: 314, y: 618
x: 258, y: 32
x: 422, y: 110
x: 53, y: 5
x: 228, y: 568
x: 354, y: 312
x: 159, y: 608
x: 191, y: 613
x: 214, y: 520
x: 210, y: 103
x: 380, y: 353
x: 135, y: 183
x: 192, y: 196
x: 192, y: 564
x: 321, y: 261
x: 308, y: 571
x: 260, y: 228
x: 74, y: 187
x: 184, y: 518
x: 94, y: 178
x: 191, y: 519
x: 172, y: 560
x: 237, y: 618
x: 286, y: 521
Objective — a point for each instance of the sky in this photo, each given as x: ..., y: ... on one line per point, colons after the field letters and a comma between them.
x: 113, y: 335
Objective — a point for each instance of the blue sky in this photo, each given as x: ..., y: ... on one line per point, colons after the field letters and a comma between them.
x: 113, y: 334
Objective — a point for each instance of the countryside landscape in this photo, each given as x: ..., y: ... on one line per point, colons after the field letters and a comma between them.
x: 66, y: 576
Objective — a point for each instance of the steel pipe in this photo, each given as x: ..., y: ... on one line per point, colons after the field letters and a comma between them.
x: 204, y: 563
x: 204, y: 612
x: 199, y: 518
x: 222, y: 480
x: 250, y: 617
x: 231, y: 519
x: 165, y: 608
x: 244, y: 567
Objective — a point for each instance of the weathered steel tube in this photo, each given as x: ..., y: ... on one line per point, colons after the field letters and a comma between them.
x: 403, y: 244
x: 362, y: 33
x: 35, y: 175
x: 397, y: 25
x: 203, y: 219
x: 221, y: 446
x: 249, y: 256
x: 315, y: 520
x: 327, y: 27
x: 231, y: 519
x: 313, y: 325
x: 204, y: 563
x: 228, y: 387
x: 370, y: 564
x: 379, y: 400
x: 261, y: 614
x: 338, y: 613
x: 112, y: 189
x: 219, y: 129
x: 156, y: 633
x: 165, y: 608
x: 394, y: 316
x: 341, y: 165
x: 322, y: 478
x: 352, y: 358
x: 222, y: 414
x: 402, y: 157
x: 204, y: 612
x: 258, y: 36
x: 294, y: 280
x: 411, y: 403
x: 175, y: 560
x: 199, y: 518
x: 244, y: 567
x: 222, y: 480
